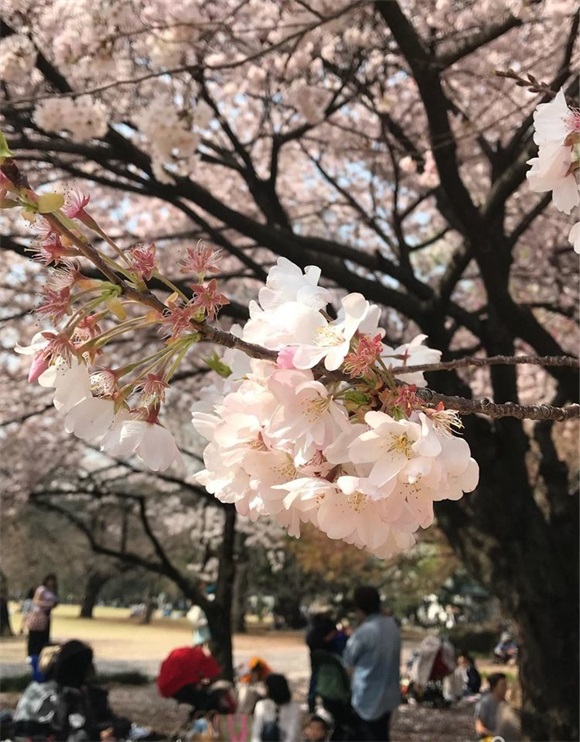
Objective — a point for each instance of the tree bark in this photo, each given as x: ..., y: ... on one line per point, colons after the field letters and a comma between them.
x: 240, y: 590
x: 5, y: 627
x: 219, y: 611
x: 530, y: 563
x: 150, y: 605
x: 93, y: 586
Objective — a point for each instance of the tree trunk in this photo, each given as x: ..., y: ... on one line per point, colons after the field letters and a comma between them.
x: 93, y: 586
x: 150, y: 606
x: 240, y: 591
x: 219, y: 611
x: 529, y: 560
x: 5, y: 627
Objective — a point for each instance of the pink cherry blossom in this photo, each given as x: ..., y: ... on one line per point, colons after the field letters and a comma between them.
x: 55, y: 304
x: 143, y: 260
x: 201, y: 260
x: 208, y: 298
x: 75, y: 203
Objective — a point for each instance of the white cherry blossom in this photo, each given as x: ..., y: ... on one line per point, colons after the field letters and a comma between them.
x: 153, y: 443
x: 550, y: 171
x: 553, y: 121
x: 90, y: 418
x: 307, y: 412
x: 414, y: 353
x: 574, y: 237
x: 287, y: 283
x: 71, y: 387
x: 390, y: 446
x: 331, y: 341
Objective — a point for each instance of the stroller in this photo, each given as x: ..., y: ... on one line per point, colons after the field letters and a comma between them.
x: 189, y: 675
x: 431, y: 664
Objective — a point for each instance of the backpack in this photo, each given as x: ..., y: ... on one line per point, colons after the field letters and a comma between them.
x: 271, y: 731
x: 332, y: 681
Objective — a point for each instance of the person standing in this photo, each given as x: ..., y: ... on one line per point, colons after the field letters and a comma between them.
x: 321, y: 632
x: 26, y: 608
x: 38, y: 619
x: 372, y: 658
x: 201, y: 634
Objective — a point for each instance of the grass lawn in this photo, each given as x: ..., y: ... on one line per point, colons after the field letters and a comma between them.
x: 115, y: 636
x: 112, y: 634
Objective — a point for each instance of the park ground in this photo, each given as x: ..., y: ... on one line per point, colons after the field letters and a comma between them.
x: 121, y: 644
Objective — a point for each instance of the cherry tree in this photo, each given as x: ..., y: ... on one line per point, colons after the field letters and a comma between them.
x: 373, y: 140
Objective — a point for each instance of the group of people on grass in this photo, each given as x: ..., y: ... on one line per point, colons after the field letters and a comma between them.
x: 354, y: 688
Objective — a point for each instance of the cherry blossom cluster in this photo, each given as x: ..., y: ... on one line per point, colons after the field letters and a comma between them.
x: 94, y: 412
x: 115, y: 407
x: 557, y: 134
x: 315, y: 426
x: 326, y: 434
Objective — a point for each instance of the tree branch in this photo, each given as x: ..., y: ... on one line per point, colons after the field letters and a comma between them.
x: 163, y: 568
x: 476, y: 41
x: 491, y: 409
x: 491, y: 361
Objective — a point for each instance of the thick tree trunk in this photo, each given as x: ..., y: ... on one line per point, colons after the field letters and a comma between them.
x: 527, y: 556
x: 219, y: 611
x: 240, y: 593
x: 5, y: 627
x: 93, y: 586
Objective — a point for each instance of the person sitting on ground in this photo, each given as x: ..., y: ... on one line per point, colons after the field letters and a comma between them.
x: 507, y: 649
x: 471, y: 676
x: 486, y: 711
x: 66, y: 707
x: 276, y: 718
x: 319, y: 727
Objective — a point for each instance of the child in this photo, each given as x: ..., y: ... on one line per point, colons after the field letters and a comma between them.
x: 319, y: 727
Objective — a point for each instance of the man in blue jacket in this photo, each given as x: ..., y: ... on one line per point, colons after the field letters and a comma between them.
x: 373, y: 657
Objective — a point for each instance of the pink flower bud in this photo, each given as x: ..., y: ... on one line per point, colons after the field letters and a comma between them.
x: 38, y: 366
x: 286, y: 357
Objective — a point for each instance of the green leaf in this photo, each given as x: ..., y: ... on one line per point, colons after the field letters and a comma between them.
x: 397, y: 414
x: 221, y: 368
x: 357, y: 398
x: 4, y: 148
